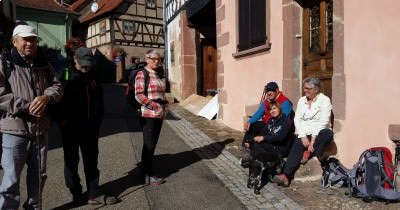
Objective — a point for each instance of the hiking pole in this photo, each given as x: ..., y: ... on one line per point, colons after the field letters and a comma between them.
x: 39, y: 157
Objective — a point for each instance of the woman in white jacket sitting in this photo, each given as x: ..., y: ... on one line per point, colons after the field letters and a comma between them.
x: 313, y: 130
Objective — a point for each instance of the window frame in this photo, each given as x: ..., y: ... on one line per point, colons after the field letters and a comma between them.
x: 247, y: 44
x: 151, y: 4
x: 128, y: 26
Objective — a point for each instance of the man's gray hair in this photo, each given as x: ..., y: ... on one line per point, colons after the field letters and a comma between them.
x: 315, y: 82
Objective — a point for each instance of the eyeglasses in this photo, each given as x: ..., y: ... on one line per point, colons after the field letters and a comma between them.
x: 155, y: 59
x: 307, y: 88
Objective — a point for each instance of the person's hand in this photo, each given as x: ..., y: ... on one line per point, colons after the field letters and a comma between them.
x: 311, y: 146
x: 165, y: 112
x: 246, y: 126
x: 157, y: 108
x: 305, y: 141
x: 259, y: 139
x: 247, y: 145
x: 38, y: 106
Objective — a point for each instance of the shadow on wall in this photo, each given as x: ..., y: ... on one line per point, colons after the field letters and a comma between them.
x: 106, y: 69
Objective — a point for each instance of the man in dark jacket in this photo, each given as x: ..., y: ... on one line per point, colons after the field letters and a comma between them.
x: 83, y: 110
x: 27, y: 86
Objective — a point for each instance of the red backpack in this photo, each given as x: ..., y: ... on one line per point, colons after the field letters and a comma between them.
x: 372, y: 176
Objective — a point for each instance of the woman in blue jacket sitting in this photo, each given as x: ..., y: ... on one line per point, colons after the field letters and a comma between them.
x: 276, y: 136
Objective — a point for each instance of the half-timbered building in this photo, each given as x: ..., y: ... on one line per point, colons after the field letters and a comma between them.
x: 133, y: 27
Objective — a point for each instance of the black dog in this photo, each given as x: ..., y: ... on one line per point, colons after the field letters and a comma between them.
x: 262, y: 168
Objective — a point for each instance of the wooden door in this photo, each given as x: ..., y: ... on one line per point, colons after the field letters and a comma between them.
x: 318, y: 43
x: 209, y: 65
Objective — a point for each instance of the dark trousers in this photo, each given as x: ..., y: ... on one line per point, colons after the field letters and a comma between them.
x: 256, y: 129
x: 151, y: 128
x: 83, y: 136
x: 259, y: 129
x: 297, y: 150
x: 258, y: 148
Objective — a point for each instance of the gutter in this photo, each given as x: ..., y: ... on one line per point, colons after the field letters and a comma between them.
x: 166, y: 47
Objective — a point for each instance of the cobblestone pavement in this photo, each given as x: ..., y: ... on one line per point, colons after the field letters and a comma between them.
x: 227, y: 169
x: 198, y: 131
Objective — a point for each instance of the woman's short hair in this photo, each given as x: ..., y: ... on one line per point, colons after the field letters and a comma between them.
x: 315, y: 82
x: 151, y: 52
x: 274, y: 103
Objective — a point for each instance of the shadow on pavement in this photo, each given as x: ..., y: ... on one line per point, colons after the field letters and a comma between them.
x: 116, y: 109
x: 168, y: 164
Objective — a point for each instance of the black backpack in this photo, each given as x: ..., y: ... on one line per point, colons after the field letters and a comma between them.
x: 130, y: 88
x: 334, y: 174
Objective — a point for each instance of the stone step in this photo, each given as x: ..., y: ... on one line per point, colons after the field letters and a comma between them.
x: 311, y: 171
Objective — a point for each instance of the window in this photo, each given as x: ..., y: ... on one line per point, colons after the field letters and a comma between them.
x: 129, y: 27
x: 151, y: 4
x: 102, y: 27
x: 252, y: 24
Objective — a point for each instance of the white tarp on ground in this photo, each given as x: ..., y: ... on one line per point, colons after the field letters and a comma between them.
x: 210, y: 109
x: 195, y: 103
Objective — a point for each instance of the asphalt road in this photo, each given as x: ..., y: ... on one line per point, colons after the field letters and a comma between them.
x: 190, y: 183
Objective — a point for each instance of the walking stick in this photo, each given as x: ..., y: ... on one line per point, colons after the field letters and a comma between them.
x: 39, y: 157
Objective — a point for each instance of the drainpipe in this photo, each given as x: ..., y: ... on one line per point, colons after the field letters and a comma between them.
x: 168, y: 87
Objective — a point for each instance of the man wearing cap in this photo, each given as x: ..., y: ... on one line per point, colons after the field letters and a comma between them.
x: 83, y: 110
x: 27, y: 86
x: 254, y: 126
x: 272, y: 93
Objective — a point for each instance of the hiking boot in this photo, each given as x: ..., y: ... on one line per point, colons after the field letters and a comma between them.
x: 281, y: 180
x: 153, y: 180
x: 306, y: 157
x: 78, y: 199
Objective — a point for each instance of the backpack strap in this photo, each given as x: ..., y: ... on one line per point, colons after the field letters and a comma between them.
x: 8, y: 64
x: 354, y: 187
x: 146, y: 80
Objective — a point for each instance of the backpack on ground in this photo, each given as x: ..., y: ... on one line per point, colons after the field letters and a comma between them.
x: 130, y: 88
x: 334, y: 174
x: 372, y: 176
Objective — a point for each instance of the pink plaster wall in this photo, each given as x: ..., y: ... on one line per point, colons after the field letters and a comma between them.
x: 372, y: 72
x: 244, y: 78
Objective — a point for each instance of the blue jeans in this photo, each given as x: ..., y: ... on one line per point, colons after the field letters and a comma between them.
x: 18, y: 150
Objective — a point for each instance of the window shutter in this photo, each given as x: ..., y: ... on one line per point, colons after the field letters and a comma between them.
x: 257, y: 22
x: 244, y: 24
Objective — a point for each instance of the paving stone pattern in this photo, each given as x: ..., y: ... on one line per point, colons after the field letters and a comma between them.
x: 198, y: 131
x: 226, y: 168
